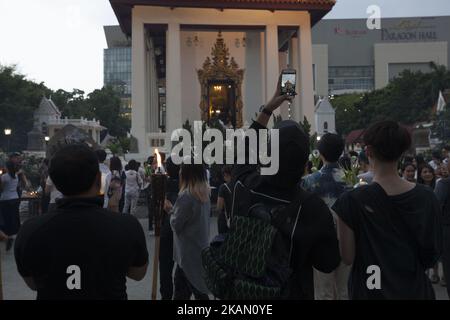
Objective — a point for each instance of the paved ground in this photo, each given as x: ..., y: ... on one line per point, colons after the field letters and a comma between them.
x: 15, y: 289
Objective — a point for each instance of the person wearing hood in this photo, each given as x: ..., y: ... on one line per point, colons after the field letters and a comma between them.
x: 313, y: 239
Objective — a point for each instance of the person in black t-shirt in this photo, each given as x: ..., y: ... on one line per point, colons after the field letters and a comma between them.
x: 390, y: 230
x: 166, y: 262
x: 80, y: 251
x: 224, y: 201
x: 313, y: 234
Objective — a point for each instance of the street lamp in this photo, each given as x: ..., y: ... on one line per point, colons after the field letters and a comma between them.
x: 8, y: 133
x: 47, y: 139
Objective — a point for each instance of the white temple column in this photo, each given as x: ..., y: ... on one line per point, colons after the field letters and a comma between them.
x: 272, y: 62
x: 173, y: 81
x: 306, y: 87
x: 138, y: 95
x: 294, y: 62
x: 153, y: 95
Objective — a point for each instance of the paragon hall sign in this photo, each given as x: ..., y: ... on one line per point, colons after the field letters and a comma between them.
x: 410, y: 30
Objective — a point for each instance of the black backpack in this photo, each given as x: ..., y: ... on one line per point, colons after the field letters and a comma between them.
x: 253, y: 261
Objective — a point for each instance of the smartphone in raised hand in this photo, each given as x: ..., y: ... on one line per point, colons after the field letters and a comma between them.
x: 289, y: 82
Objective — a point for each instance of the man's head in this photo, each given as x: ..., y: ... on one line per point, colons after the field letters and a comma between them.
x: 133, y: 165
x: 75, y: 171
x: 15, y: 158
x: 386, y: 141
x: 227, y: 173
x: 331, y: 147
x: 101, y: 155
x: 294, y: 152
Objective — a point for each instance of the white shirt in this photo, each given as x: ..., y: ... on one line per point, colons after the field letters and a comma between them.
x: 433, y: 164
x: 134, y: 182
x: 9, y: 187
x: 54, y: 193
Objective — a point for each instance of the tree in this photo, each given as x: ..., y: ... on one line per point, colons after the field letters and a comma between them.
x: 408, y: 99
x: 18, y: 100
x: 105, y: 106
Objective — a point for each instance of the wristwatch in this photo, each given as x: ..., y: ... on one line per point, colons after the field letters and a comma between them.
x: 265, y: 111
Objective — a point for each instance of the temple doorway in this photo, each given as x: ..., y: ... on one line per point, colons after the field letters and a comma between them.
x: 222, y: 102
x: 221, y: 87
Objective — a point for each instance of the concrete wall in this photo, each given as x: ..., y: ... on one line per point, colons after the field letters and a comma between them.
x: 320, y: 60
x: 406, y: 53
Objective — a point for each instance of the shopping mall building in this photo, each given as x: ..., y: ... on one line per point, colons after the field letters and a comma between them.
x: 348, y: 57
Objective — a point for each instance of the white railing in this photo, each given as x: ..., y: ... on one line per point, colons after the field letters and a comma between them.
x: 75, y: 122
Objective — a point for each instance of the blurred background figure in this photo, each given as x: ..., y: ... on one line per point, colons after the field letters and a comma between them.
x: 367, y: 171
x: 115, y: 186
x: 436, y: 160
x: 133, y: 186
x: 409, y: 172
x: 426, y: 176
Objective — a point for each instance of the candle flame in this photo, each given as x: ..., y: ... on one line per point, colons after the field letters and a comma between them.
x: 158, y: 157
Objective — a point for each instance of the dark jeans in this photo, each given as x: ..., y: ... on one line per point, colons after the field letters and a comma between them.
x: 166, y: 262
x: 11, y: 218
x: 184, y: 289
x: 446, y: 256
x: 222, y: 224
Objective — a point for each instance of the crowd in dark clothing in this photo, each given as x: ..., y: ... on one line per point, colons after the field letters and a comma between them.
x: 374, y: 240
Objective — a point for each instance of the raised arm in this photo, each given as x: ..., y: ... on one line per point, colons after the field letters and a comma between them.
x: 260, y: 123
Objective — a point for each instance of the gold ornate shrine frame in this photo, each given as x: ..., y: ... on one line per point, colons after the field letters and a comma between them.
x: 221, y: 68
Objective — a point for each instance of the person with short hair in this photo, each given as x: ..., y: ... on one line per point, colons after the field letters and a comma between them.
x: 328, y: 184
x: 389, y: 231
x: 80, y: 251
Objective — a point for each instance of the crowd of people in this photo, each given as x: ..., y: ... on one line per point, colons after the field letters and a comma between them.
x: 395, y: 220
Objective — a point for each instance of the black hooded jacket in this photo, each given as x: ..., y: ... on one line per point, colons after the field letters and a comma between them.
x: 315, y: 241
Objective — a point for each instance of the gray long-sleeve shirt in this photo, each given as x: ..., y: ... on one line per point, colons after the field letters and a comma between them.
x: 190, y: 221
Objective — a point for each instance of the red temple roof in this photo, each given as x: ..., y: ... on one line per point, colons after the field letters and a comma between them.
x: 317, y: 8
